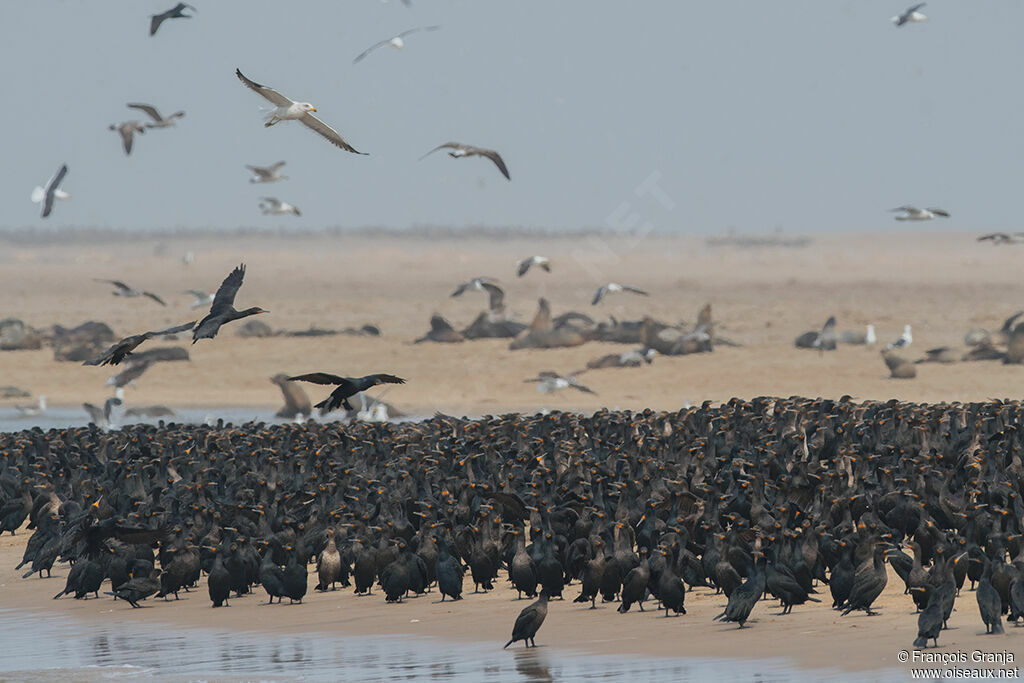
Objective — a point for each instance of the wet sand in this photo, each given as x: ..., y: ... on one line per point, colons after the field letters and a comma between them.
x: 813, y: 636
x: 941, y: 283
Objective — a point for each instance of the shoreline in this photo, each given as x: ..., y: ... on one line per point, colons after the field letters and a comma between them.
x: 813, y: 637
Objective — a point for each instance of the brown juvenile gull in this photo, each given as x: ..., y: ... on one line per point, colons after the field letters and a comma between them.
x: 176, y: 12
x: 267, y: 174
x: 158, y: 121
x: 127, y: 131
x: 288, y: 110
x: 397, y: 42
x: 121, y: 289
x: 461, y: 150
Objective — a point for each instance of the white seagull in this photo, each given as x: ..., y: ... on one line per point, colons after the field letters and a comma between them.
x: 397, y: 42
x: 612, y: 287
x: 910, y: 15
x: 548, y: 381
x: 46, y: 195
x: 267, y: 174
x: 477, y: 284
x: 200, y: 298
x: 905, y: 340
x: 287, y: 110
x: 158, y: 121
x: 271, y: 206
x: 912, y: 213
x: 32, y: 410
x: 527, y: 263
x: 127, y: 130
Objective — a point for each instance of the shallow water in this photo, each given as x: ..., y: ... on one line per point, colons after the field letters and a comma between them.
x: 44, y: 647
x: 63, y: 418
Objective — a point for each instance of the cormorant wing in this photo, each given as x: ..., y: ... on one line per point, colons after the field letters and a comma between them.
x: 319, y: 378
x: 225, y: 297
x: 171, y: 330
x: 374, y: 380
x: 155, y: 21
x: 511, y: 502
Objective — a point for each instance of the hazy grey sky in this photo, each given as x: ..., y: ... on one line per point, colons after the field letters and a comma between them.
x: 810, y: 115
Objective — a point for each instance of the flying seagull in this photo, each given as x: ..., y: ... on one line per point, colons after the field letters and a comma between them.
x: 176, y: 12
x: 496, y: 295
x: 527, y: 263
x: 1002, y: 238
x: 910, y: 15
x: 275, y: 207
x: 287, y: 110
x: 397, y: 42
x: 461, y: 150
x: 158, y: 121
x: 267, y: 174
x: 347, y: 387
x: 200, y: 298
x: 551, y: 381
x: 905, y: 340
x: 223, y: 309
x: 912, y: 213
x: 101, y: 416
x: 477, y: 284
x: 612, y: 287
x: 121, y: 289
x: 46, y: 195
x: 122, y: 349
x: 127, y: 130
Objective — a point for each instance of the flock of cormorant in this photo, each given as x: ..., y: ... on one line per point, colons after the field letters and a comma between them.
x: 790, y: 498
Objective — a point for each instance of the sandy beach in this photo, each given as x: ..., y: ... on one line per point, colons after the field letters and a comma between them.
x: 942, y: 283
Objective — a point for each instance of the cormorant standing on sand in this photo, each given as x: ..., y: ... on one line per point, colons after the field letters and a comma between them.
x: 529, y: 621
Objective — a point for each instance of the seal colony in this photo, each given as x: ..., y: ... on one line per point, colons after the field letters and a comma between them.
x: 793, y: 496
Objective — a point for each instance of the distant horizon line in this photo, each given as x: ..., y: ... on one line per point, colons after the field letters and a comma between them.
x: 720, y: 237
